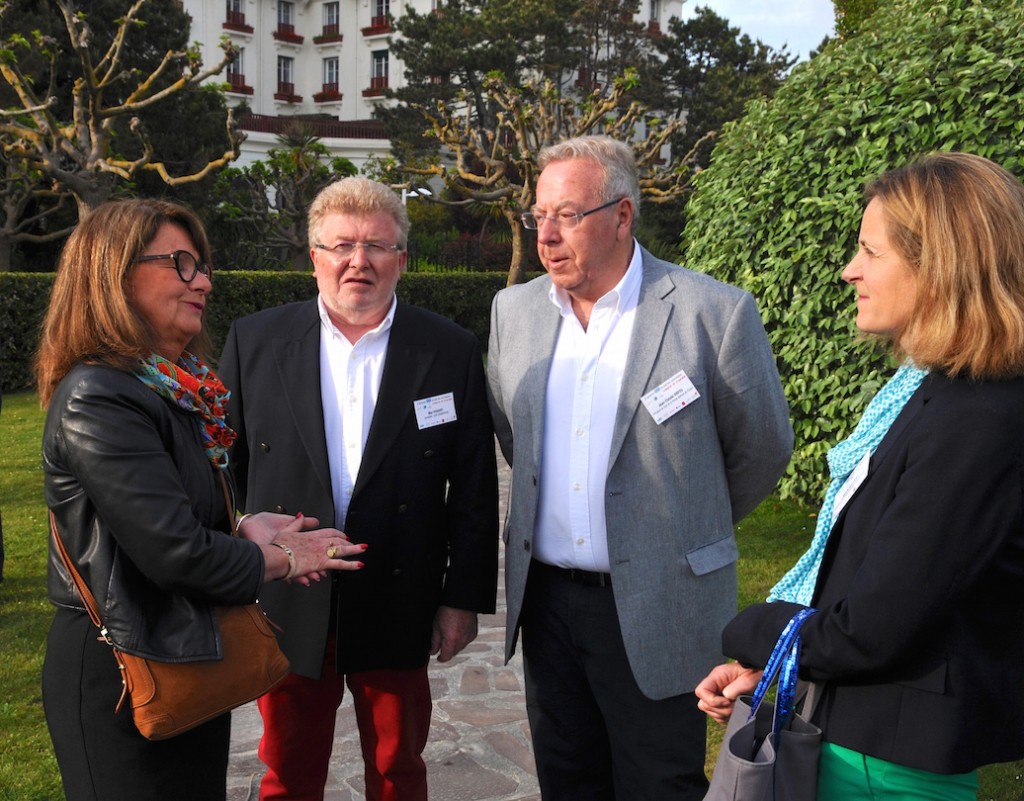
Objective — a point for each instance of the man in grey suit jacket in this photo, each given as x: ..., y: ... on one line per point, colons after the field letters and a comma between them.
x: 370, y: 415
x: 641, y: 410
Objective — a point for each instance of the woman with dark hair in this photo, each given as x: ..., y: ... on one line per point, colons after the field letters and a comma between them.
x: 134, y: 454
x: 917, y: 563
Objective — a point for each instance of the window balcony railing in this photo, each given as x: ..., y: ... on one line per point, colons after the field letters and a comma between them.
x: 286, y: 92
x: 328, y: 94
x: 237, y: 84
x: 330, y: 33
x: 325, y: 129
x: 586, y: 79
x: 378, y: 25
x: 235, y: 21
x: 377, y: 86
x: 286, y: 33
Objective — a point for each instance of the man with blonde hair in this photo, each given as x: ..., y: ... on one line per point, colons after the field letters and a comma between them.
x: 370, y: 415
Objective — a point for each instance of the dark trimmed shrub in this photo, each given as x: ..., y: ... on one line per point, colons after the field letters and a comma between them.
x: 462, y: 297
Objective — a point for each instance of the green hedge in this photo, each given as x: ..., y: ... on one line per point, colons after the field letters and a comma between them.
x: 463, y: 297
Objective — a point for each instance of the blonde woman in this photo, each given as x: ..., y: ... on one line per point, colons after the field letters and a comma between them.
x: 918, y: 559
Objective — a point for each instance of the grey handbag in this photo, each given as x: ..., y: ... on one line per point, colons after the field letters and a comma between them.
x: 770, y: 753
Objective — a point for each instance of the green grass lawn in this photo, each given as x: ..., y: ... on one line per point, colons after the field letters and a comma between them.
x: 770, y: 541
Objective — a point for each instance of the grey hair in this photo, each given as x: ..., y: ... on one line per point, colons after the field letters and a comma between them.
x: 614, y: 158
x: 357, y: 195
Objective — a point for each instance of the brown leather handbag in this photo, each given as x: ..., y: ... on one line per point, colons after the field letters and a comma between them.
x: 169, y: 698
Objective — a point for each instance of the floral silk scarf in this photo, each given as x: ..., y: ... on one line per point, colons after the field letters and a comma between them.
x: 194, y: 387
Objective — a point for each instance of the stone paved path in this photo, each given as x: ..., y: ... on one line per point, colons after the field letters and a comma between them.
x: 479, y: 747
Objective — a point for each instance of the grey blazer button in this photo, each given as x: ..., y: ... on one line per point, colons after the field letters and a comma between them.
x: 427, y: 454
x: 526, y: 545
x: 402, y: 508
x: 265, y: 447
x: 396, y: 572
x: 279, y: 509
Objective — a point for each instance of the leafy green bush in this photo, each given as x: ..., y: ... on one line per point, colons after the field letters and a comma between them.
x: 462, y: 297
x: 23, y: 299
x: 778, y: 209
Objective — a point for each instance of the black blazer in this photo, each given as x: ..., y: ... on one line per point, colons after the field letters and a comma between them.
x: 920, y: 635
x: 425, y: 501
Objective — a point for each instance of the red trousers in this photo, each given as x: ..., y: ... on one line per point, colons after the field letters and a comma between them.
x: 393, y: 709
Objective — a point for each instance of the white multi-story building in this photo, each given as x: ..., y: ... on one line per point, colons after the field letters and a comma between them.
x: 326, y: 61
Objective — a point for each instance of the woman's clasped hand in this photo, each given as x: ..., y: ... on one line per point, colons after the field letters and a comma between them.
x: 288, y: 538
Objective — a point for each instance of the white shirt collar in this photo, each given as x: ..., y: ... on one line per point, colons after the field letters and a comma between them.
x: 620, y: 298
x: 332, y: 329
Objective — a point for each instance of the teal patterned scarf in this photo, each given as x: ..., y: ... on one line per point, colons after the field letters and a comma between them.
x: 798, y: 584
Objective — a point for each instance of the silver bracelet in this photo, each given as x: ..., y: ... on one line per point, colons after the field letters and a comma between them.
x: 293, y: 566
x: 238, y: 523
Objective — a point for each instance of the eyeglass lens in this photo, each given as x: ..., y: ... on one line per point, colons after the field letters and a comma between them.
x: 187, y: 265
x: 346, y: 250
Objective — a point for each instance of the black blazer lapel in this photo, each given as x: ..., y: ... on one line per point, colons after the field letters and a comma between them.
x: 932, y: 384
x: 297, y: 359
x: 408, y: 362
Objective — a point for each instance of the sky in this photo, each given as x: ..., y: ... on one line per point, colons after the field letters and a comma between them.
x: 798, y: 24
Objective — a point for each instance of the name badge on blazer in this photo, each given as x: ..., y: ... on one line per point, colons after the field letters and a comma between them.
x: 670, y: 396
x: 435, y: 411
x: 850, y: 486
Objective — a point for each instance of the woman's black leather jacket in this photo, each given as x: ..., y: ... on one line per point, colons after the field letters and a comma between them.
x: 142, y: 515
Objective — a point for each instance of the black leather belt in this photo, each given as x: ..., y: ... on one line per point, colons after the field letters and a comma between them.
x: 577, y: 576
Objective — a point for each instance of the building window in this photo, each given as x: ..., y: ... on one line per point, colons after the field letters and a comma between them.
x: 332, y: 27
x: 286, y: 23
x: 332, y: 14
x: 379, y: 22
x: 234, y: 18
x: 329, y: 91
x: 331, y: 72
x: 236, y: 74
x: 286, y: 79
x: 285, y: 10
x: 654, y: 23
x: 378, y: 74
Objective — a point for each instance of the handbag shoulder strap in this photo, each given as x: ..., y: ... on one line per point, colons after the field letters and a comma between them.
x: 83, y: 589
x: 229, y: 501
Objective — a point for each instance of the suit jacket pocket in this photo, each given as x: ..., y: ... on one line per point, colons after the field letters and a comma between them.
x: 713, y: 556
x: 929, y: 677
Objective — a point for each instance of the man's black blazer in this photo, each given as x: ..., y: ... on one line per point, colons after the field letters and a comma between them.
x: 920, y: 636
x: 425, y: 501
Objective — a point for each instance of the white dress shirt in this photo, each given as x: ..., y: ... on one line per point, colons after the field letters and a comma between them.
x: 350, y: 377
x: 579, y: 416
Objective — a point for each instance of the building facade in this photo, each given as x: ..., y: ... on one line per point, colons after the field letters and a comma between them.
x: 327, y: 61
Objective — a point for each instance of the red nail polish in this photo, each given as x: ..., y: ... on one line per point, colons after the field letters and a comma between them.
x: 360, y: 564
x: 364, y: 546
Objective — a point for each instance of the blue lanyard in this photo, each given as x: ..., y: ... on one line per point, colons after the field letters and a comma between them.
x: 782, y: 663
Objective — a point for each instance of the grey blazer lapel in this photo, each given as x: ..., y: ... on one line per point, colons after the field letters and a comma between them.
x: 544, y: 333
x: 652, y: 316
x: 298, y: 363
